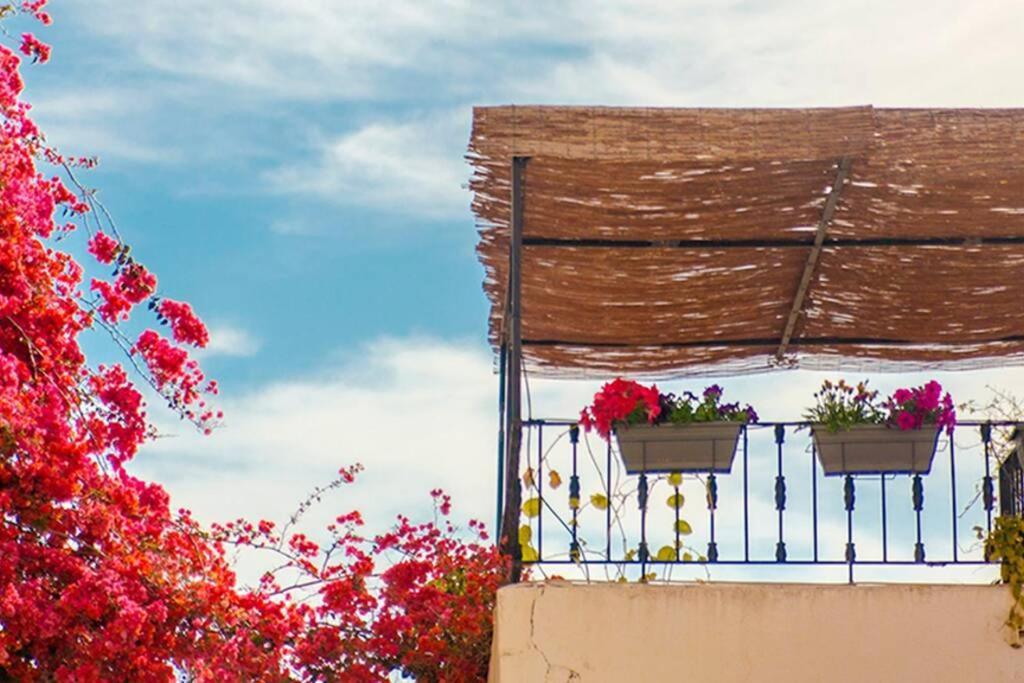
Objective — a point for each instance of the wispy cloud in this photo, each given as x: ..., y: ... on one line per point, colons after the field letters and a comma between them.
x: 412, y: 165
x: 420, y: 65
x: 311, y: 49
x: 421, y: 413
x: 104, y: 122
x: 230, y: 340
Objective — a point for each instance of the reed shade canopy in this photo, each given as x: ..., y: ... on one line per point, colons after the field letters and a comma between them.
x: 672, y: 242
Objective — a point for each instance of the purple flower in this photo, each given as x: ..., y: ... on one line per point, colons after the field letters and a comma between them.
x: 713, y: 392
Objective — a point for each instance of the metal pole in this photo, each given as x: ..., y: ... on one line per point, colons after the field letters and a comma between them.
x: 500, y: 497
x: 513, y: 414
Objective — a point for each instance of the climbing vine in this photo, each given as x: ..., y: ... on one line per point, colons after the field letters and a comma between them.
x: 1005, y: 543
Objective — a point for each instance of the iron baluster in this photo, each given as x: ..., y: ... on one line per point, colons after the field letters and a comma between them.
x: 540, y: 491
x: 574, y: 494
x: 814, y: 497
x: 917, y: 494
x: 850, y: 500
x: 712, y: 498
x: 780, y: 493
x: 677, y: 506
x: 885, y: 524
x: 987, y: 492
x: 608, y: 501
x: 746, y: 501
x: 641, y: 496
x: 952, y: 494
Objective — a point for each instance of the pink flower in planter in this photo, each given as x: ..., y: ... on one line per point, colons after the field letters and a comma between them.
x: 906, y: 421
x: 913, y: 408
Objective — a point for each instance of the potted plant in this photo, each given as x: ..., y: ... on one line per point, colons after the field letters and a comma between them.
x: 855, y: 433
x: 667, y: 433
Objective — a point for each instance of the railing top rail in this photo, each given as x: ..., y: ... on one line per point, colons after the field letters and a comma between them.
x: 565, y: 422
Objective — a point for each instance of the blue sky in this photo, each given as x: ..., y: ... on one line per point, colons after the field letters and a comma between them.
x: 294, y: 169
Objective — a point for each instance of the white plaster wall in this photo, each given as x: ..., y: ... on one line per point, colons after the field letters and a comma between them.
x: 560, y: 631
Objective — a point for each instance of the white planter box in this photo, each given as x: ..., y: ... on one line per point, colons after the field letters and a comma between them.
x: 692, y: 447
x: 872, y: 449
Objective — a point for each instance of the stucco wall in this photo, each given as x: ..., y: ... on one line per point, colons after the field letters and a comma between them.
x: 560, y: 631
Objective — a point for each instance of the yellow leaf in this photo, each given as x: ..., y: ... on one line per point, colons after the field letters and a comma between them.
x: 574, y: 503
x: 646, y: 578
x: 599, y: 501
x: 675, y: 479
x: 525, y: 534
x: 666, y: 554
x: 622, y: 579
x: 630, y: 555
x: 528, y: 480
x: 528, y: 553
x: 683, y: 527
x: 675, y: 501
x: 531, y: 508
x: 554, y: 479
x: 687, y: 557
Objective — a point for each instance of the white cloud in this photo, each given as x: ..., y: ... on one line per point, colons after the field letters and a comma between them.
x: 418, y: 413
x: 408, y: 166
x: 301, y: 48
x: 792, y: 53
x: 229, y: 340
x: 422, y: 413
x: 417, y: 60
x: 649, y: 52
x: 102, y: 122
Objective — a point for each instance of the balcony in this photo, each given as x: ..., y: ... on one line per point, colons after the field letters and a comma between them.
x: 776, y: 515
x: 674, y: 243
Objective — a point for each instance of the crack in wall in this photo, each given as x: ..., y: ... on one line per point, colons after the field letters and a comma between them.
x: 571, y: 674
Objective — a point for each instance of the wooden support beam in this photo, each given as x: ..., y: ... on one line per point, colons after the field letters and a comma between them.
x: 780, y: 243
x: 509, y: 534
x: 809, y: 342
x: 812, y: 258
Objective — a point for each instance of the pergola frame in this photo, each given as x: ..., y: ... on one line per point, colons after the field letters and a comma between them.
x: 511, y: 340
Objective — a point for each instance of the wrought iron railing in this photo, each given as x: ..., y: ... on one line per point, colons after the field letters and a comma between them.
x: 1011, y: 478
x: 581, y: 511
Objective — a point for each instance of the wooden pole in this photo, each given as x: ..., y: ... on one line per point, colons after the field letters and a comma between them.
x: 514, y: 371
x: 812, y: 259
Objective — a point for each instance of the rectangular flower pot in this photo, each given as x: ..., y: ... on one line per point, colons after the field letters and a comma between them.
x: 873, y: 449
x: 691, y: 447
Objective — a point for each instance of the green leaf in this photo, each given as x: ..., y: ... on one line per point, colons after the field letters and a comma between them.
x: 666, y: 554
x: 528, y: 553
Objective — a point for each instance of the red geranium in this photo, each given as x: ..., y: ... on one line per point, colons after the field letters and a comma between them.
x: 616, y: 401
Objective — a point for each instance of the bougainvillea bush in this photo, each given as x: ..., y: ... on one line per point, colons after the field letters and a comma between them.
x: 839, y: 406
x: 626, y: 402
x: 99, y: 579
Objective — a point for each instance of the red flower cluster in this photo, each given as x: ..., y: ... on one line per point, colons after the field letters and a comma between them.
x: 186, y: 326
x: 914, y: 407
x: 417, y: 600
x: 99, y: 580
x: 104, y: 247
x: 616, y: 401
x: 34, y: 48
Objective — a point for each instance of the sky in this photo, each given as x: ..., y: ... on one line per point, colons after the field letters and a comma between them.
x: 294, y: 169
